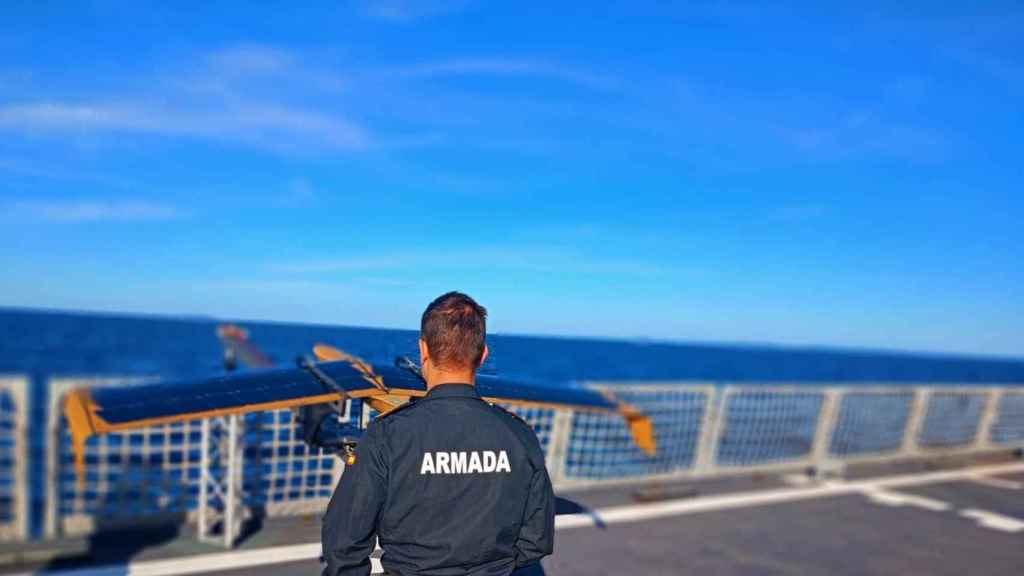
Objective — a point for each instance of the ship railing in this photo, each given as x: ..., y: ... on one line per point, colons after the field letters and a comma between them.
x: 221, y: 473
x: 14, y: 411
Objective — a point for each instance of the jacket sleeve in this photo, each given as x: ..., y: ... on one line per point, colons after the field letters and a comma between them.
x: 350, y: 525
x: 537, y: 533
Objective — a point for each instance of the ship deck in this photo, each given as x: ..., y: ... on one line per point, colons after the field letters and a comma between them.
x: 920, y: 518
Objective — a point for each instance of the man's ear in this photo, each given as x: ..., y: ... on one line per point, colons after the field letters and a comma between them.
x: 483, y: 357
x: 424, y: 352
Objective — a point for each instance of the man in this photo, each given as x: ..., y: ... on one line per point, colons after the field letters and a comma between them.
x: 449, y: 484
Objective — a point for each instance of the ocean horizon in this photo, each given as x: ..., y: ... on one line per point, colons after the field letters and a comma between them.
x: 43, y: 342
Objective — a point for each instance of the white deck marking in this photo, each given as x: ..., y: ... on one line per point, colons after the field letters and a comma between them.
x: 204, y: 563
x: 992, y: 520
x: 797, y: 479
x: 615, y: 515
x: 208, y: 563
x: 889, y: 498
x: 996, y: 482
x: 639, y: 512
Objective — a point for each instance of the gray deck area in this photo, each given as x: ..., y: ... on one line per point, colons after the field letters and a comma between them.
x: 837, y: 535
x: 833, y: 534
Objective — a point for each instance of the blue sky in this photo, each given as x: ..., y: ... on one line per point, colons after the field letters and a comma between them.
x: 743, y: 172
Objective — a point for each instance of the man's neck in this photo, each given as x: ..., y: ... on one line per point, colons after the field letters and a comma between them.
x: 448, y: 377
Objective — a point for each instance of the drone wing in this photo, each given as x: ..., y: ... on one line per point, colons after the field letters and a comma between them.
x: 99, y: 410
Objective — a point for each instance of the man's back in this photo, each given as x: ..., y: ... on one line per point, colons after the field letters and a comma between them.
x: 450, y: 485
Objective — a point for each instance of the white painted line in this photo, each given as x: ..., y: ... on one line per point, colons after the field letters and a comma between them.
x: 889, y: 498
x: 204, y: 562
x: 996, y: 482
x: 992, y: 520
x: 620, y: 514
x: 640, y: 512
x: 797, y: 479
x: 208, y: 563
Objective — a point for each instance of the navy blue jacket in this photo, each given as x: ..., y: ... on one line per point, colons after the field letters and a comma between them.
x: 450, y: 485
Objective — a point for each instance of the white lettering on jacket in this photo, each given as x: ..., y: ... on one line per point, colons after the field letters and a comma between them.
x: 486, y: 462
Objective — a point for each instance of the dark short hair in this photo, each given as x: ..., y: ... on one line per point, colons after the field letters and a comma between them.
x: 454, y: 327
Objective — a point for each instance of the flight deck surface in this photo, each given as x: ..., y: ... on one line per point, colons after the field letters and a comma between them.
x: 916, y: 520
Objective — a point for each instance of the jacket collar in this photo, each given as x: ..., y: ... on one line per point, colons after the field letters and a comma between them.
x: 453, y: 390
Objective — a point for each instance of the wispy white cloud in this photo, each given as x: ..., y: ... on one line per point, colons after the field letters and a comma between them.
x: 266, y: 126
x: 59, y: 171
x: 864, y: 132
x: 346, y: 264
x: 40, y: 116
x: 94, y: 211
x: 406, y: 11
x: 794, y: 123
x: 509, y: 67
x: 257, y: 95
x: 284, y: 102
x: 798, y: 213
x: 242, y: 72
x: 530, y: 259
x: 252, y: 59
x: 393, y: 282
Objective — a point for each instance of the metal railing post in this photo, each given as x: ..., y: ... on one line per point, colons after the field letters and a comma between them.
x: 233, y: 499
x: 827, y: 418
x: 17, y: 390
x: 51, y: 528
x: 558, y: 444
x: 21, y: 464
x: 226, y: 453
x: 918, y: 411
x: 711, y: 427
x: 364, y: 415
x: 203, y: 511
x: 983, y: 437
x: 23, y: 456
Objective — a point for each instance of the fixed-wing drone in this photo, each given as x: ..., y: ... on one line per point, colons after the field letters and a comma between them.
x: 318, y: 387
